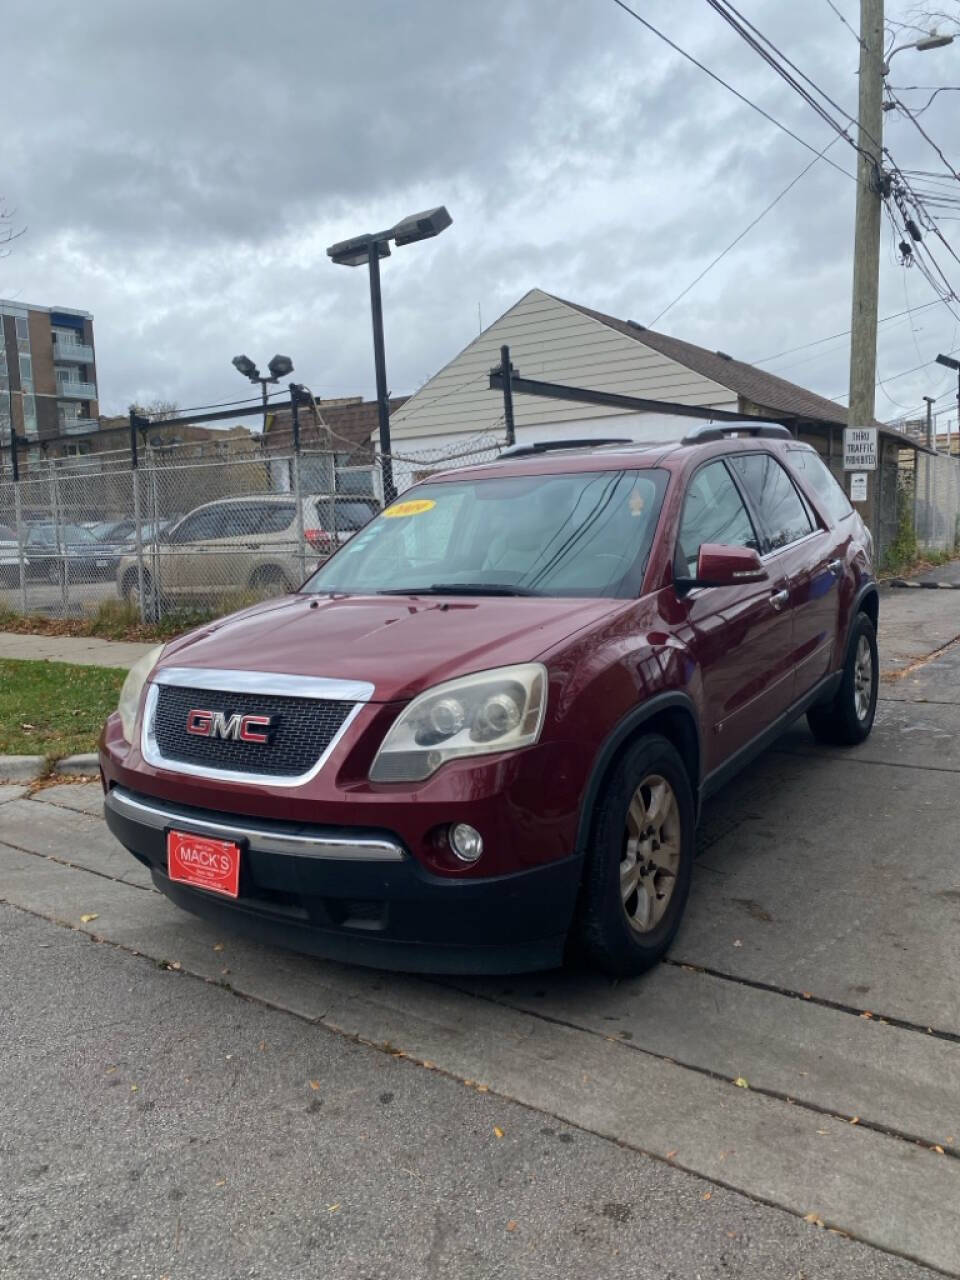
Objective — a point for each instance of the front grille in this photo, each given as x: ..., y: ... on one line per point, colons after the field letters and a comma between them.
x: 304, y: 729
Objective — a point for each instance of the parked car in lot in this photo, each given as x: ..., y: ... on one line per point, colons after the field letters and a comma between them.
x: 9, y: 557
x: 244, y: 543
x: 479, y: 737
x: 68, y: 549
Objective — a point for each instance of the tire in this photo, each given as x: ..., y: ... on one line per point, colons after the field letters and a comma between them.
x: 848, y: 719
x: 270, y: 580
x: 626, y: 935
x: 131, y: 586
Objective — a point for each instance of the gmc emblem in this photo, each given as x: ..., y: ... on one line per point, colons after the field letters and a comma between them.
x: 235, y: 728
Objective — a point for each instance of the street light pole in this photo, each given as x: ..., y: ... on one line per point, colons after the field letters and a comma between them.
x: 370, y: 249
x: 380, y: 370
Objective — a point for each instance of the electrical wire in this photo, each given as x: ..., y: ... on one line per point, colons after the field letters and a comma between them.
x: 729, y: 87
x: 856, y: 35
x: 897, y: 315
x: 223, y: 404
x: 749, y: 227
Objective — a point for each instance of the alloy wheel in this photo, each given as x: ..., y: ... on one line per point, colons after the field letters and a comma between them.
x: 651, y: 853
x: 863, y: 679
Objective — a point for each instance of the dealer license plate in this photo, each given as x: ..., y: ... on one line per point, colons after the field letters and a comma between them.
x: 204, y: 863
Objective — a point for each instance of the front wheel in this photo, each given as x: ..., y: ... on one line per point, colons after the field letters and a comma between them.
x: 640, y: 863
x: 848, y: 719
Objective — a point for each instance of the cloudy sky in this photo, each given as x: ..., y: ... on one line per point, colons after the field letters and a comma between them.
x: 181, y: 166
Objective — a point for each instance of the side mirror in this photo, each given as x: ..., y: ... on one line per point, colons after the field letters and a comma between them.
x: 722, y: 566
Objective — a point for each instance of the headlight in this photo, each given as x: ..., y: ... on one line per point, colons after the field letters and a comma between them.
x: 133, y: 687
x: 476, y: 715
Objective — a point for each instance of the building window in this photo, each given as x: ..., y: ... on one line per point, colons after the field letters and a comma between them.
x: 23, y: 333
x: 26, y: 373
x: 76, y: 450
x: 30, y: 417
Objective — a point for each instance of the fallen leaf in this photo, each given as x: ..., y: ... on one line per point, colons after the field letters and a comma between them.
x: 737, y: 942
x: 511, y: 1225
x: 332, y: 1208
x: 742, y: 1083
x: 314, y: 1084
x: 950, y: 1142
x: 134, y: 1088
x: 671, y: 1154
x: 430, y: 1066
x: 707, y: 1195
x: 221, y: 1182
x: 111, y: 1069
x: 806, y: 995
x: 938, y: 1149
x: 470, y: 1083
x: 263, y: 1046
x: 855, y: 1120
x: 497, y: 1131
x: 823, y: 1132
x: 483, y: 1088
x: 866, y: 1014
x: 813, y: 1219
x: 91, y: 915
x: 218, y: 946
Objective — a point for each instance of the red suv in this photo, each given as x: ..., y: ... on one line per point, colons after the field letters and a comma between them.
x: 479, y: 736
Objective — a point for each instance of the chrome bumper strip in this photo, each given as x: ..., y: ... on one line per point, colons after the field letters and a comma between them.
x: 263, y: 837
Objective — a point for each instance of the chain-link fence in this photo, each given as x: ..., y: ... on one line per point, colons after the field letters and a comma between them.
x: 180, y: 534
x: 937, y: 501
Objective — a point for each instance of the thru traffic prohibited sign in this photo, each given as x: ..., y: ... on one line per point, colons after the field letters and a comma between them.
x: 860, y: 448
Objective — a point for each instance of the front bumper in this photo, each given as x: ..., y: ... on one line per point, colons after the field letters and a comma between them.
x: 358, y: 895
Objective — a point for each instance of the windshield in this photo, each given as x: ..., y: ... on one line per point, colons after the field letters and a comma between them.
x: 579, y: 534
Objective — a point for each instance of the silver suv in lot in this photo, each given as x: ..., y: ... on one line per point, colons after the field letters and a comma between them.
x: 248, y: 543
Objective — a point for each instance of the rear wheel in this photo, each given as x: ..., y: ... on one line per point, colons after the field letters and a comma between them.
x: 639, y: 866
x: 131, y: 587
x: 848, y: 719
x: 270, y: 581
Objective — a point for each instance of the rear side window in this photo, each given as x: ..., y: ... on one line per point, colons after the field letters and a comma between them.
x: 783, y: 516
x: 276, y: 517
x: 713, y: 511
x: 822, y: 482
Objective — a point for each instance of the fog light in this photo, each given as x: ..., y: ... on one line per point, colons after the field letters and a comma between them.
x: 466, y: 841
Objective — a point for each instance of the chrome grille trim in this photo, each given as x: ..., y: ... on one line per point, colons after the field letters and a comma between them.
x: 278, y: 684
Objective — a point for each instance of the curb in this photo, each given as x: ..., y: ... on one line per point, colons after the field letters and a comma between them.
x: 82, y: 765
x: 928, y: 586
x: 22, y: 768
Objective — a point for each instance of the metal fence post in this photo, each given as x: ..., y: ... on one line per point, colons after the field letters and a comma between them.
x: 295, y: 393
x: 64, y: 575
x: 136, y: 421
x: 18, y: 518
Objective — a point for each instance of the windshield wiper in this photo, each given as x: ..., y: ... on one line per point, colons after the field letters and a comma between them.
x: 462, y: 589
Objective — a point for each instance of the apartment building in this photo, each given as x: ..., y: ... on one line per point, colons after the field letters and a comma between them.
x: 48, y: 373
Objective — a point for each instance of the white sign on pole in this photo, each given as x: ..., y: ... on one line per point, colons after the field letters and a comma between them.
x: 860, y: 448
x: 858, y: 486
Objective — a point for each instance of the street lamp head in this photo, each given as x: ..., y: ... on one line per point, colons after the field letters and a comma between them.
x: 280, y: 366
x: 949, y: 362
x: 356, y: 252
x: 933, y: 41
x: 244, y: 365
x: 421, y: 226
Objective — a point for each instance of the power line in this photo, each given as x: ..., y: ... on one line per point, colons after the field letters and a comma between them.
x: 775, y: 201
x: 744, y: 27
x: 844, y: 333
x: 894, y: 376
x: 854, y: 33
x: 729, y: 87
x: 225, y: 404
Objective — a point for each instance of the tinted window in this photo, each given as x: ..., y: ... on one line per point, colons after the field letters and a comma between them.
x: 783, y: 517
x: 275, y: 517
x: 208, y: 523
x: 713, y: 511
x: 822, y: 482
x: 573, y: 534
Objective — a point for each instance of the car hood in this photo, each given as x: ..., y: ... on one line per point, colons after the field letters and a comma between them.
x: 400, y: 644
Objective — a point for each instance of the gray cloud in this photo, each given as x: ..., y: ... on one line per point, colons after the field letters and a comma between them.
x: 182, y: 167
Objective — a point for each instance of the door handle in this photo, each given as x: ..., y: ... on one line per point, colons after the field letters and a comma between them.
x: 779, y: 599
x: 836, y: 567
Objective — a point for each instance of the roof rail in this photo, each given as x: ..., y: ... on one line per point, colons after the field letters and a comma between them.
x: 720, y: 431
x: 547, y: 446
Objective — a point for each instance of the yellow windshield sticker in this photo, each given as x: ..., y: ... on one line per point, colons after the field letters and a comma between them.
x: 415, y: 508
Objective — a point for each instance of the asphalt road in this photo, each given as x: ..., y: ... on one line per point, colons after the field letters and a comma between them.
x: 144, y: 1131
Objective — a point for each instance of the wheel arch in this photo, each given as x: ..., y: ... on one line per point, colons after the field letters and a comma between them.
x: 674, y: 716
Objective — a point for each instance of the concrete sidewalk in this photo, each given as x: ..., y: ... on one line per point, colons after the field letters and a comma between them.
x: 87, y: 651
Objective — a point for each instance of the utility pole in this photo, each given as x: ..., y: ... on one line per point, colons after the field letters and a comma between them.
x: 866, y: 248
